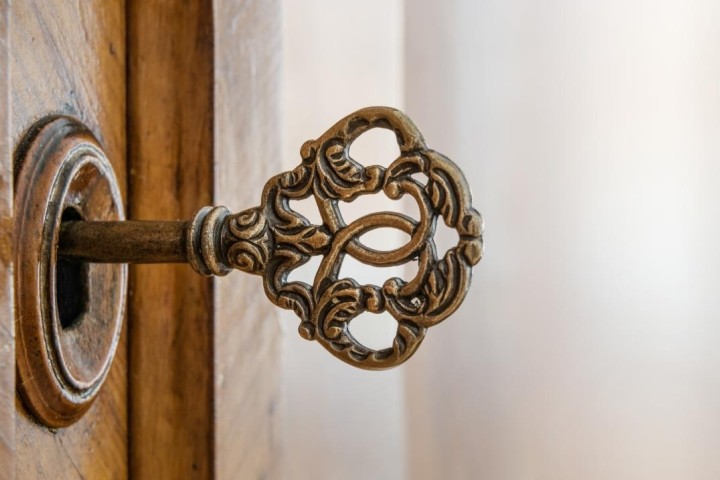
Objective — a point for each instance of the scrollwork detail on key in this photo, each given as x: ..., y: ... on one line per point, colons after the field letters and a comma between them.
x: 272, y: 240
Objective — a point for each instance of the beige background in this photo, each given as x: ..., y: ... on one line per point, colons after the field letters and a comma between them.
x: 588, y: 346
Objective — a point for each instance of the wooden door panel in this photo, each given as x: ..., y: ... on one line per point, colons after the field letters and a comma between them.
x: 204, y: 122
x: 69, y: 58
x: 193, y: 390
x: 170, y: 118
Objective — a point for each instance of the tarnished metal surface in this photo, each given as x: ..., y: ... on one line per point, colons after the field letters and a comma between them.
x: 271, y: 240
x: 123, y: 242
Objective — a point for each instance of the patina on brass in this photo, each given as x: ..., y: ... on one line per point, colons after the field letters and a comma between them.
x: 271, y: 240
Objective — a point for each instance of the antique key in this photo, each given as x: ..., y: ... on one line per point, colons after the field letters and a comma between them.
x: 270, y: 240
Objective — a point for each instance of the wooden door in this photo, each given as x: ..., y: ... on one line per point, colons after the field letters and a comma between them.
x: 70, y: 59
x: 184, y: 98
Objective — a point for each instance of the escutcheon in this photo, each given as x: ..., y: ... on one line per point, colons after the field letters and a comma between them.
x: 69, y: 313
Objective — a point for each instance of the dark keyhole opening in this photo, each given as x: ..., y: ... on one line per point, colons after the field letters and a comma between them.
x: 71, y: 283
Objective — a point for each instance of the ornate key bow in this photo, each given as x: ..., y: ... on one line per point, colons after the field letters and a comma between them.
x: 272, y: 240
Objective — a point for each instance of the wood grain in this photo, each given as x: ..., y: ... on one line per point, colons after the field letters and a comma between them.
x: 204, y: 353
x: 247, y: 153
x: 204, y: 356
x: 170, y: 129
x: 69, y: 58
x: 7, y: 352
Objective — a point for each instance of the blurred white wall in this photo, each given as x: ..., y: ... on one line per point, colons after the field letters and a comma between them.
x: 340, y: 422
x: 588, y: 344
x: 588, y: 347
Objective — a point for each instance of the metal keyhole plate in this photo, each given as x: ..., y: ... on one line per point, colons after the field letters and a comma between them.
x: 65, y: 345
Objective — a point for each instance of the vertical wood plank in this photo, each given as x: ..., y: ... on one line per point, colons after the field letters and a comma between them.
x: 7, y: 317
x: 170, y: 122
x: 247, y: 143
x: 69, y: 58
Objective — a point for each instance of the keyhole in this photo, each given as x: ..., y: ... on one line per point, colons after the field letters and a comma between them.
x: 71, y: 283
